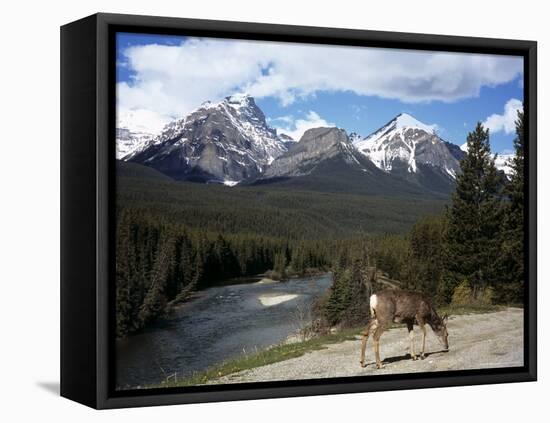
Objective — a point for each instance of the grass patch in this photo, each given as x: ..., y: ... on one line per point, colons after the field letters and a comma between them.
x: 454, y: 310
x: 261, y: 358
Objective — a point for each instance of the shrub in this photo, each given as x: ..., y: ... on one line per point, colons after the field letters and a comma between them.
x: 272, y: 274
x: 462, y: 294
x: 487, y: 295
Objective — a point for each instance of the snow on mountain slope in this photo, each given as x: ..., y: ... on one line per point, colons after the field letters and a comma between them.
x: 129, y: 142
x: 503, y: 162
x: 226, y: 141
x: 407, y: 141
x: 406, y: 121
x: 135, y: 129
x: 355, y: 138
x: 287, y: 140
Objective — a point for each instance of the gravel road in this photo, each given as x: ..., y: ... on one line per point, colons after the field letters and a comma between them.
x: 476, y: 341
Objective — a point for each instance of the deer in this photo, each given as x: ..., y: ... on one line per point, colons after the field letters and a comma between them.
x: 398, y: 306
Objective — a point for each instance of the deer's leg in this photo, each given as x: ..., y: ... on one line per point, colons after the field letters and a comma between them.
x: 372, y: 325
x: 376, y: 345
x: 422, y: 323
x: 422, y: 355
x: 410, y: 328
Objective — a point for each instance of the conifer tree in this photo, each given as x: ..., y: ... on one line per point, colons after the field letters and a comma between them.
x: 123, y: 276
x: 357, y: 294
x: 339, y: 296
x: 155, y: 299
x: 474, y: 218
x: 512, y: 258
x: 424, y: 264
x: 280, y: 263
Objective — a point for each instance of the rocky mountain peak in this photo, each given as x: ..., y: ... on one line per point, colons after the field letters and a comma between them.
x: 407, y: 143
x: 315, y: 146
x: 240, y: 100
x: 406, y: 121
x: 226, y: 142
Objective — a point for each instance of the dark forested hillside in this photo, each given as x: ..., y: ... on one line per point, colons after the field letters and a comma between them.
x: 275, y: 209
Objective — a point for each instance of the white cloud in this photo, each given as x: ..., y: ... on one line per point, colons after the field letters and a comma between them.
x: 358, y: 111
x: 172, y: 80
x: 141, y: 120
x: 288, y: 119
x: 507, y: 120
x: 295, y: 128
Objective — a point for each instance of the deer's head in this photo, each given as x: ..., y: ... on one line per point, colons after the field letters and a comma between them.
x: 441, y: 331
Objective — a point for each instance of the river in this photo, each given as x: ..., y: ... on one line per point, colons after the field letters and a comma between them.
x: 221, y: 323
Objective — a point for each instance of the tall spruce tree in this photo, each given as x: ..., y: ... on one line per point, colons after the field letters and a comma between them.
x: 472, y: 235
x: 423, y: 269
x: 155, y: 299
x: 512, y: 258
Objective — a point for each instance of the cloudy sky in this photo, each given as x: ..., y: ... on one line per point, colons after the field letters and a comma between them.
x: 300, y: 86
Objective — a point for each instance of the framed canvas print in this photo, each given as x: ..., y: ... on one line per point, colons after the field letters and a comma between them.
x: 255, y: 211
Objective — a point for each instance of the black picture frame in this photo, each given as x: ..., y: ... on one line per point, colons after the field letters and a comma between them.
x: 87, y: 205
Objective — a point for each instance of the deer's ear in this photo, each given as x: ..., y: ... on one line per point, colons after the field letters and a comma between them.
x: 445, y: 318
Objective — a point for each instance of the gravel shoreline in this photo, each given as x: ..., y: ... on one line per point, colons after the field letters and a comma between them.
x: 477, y: 341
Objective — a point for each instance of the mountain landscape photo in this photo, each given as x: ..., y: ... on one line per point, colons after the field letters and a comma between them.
x: 265, y: 191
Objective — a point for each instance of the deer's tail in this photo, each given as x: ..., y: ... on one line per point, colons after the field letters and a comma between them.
x: 373, y: 303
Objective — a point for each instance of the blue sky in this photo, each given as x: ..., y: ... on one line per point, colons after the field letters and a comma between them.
x: 160, y: 78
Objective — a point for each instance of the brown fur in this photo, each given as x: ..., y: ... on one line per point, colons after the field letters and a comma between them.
x: 398, y: 306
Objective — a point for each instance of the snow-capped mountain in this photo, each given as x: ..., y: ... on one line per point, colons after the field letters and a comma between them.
x: 502, y: 160
x: 129, y: 142
x: 354, y: 138
x: 227, y: 141
x: 503, y: 163
x: 230, y: 142
x: 315, y: 146
x: 405, y: 143
x: 134, y: 130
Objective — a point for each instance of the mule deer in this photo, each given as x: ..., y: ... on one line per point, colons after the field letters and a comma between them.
x: 396, y: 306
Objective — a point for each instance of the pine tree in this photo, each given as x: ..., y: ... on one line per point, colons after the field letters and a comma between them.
x: 155, y: 299
x: 357, y: 295
x: 280, y: 263
x: 425, y: 261
x: 298, y: 261
x: 123, y: 277
x: 339, y: 296
x: 474, y: 218
x: 512, y: 258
